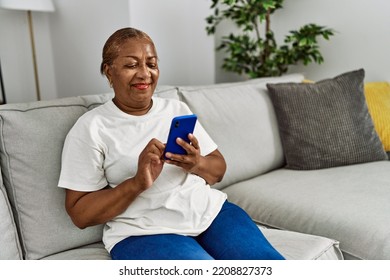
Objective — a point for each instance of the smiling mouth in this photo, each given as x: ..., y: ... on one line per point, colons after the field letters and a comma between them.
x: 141, y: 86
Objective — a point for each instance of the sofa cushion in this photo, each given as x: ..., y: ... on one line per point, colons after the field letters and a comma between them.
x: 378, y: 101
x: 326, y: 124
x: 292, y: 245
x: 348, y: 203
x: 169, y: 92
x: 299, y: 246
x: 241, y: 120
x: 95, y: 251
x: 9, y: 241
x: 32, y: 136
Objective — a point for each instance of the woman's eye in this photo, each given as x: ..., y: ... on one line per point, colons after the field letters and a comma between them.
x: 152, y: 65
x: 131, y: 66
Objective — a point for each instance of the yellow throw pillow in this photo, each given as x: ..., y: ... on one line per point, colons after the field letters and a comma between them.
x: 378, y: 102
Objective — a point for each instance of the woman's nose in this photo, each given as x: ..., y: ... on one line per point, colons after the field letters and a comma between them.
x: 144, y: 71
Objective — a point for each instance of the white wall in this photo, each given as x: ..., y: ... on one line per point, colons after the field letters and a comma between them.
x: 178, y: 29
x: 16, y: 56
x: 362, y: 38
x: 69, y: 42
x: 79, y: 29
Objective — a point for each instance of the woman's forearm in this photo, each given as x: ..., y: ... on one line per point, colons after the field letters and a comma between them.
x: 93, y: 208
x: 212, y: 168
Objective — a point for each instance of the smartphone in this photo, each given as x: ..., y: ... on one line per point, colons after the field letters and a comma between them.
x: 181, y: 126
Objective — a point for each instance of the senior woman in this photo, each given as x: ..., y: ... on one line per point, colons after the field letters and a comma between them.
x: 115, y: 174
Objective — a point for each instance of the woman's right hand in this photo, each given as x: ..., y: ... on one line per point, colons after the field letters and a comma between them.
x: 150, y: 164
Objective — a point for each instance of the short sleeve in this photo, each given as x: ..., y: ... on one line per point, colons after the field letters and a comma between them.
x: 82, y: 166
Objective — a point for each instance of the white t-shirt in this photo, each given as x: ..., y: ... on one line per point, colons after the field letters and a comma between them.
x: 103, y: 148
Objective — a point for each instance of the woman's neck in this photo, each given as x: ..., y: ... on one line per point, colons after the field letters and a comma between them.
x: 133, y: 110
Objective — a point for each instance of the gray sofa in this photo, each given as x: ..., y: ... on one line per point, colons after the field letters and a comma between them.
x: 305, y: 214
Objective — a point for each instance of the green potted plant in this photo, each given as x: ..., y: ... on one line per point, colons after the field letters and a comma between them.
x: 254, y: 52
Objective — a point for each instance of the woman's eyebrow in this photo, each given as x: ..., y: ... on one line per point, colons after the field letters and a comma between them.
x: 136, y: 57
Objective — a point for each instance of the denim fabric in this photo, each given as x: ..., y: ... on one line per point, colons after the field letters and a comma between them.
x: 232, y: 235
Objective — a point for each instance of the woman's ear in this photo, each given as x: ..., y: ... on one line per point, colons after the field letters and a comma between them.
x: 107, y: 72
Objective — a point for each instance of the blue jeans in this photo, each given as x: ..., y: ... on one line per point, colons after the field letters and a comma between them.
x: 231, y: 236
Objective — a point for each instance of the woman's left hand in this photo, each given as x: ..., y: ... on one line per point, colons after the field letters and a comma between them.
x: 211, y: 167
x: 189, y: 161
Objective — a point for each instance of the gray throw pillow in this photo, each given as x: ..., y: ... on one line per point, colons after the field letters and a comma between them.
x: 326, y: 124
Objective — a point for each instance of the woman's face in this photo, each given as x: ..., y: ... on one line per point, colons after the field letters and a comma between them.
x: 134, y: 75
